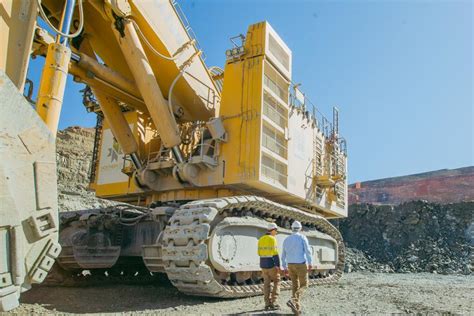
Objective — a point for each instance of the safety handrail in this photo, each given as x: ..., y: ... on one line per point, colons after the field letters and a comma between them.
x: 321, y: 120
x: 187, y: 27
x: 211, y: 93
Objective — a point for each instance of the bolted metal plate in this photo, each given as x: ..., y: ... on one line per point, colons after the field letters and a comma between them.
x: 28, y: 194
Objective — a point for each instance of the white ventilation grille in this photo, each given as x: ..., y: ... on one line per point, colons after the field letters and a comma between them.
x: 278, y: 52
x: 275, y: 112
x: 274, y: 170
x: 274, y: 141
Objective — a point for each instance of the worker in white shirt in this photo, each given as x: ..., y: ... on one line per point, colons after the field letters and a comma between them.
x: 296, y: 261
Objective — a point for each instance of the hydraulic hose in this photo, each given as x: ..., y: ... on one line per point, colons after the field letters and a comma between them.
x: 81, y: 21
x: 150, y: 46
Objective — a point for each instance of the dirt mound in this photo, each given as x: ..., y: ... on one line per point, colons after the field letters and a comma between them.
x: 414, y: 236
x: 74, y: 146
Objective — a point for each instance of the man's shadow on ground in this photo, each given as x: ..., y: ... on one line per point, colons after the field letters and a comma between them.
x: 259, y: 312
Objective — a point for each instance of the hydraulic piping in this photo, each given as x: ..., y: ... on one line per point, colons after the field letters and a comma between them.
x: 58, y: 32
x: 177, y: 154
x: 150, y: 46
x: 176, y: 151
x: 182, y: 69
x: 136, y: 161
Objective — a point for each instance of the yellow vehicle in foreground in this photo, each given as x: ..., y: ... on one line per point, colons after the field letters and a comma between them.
x: 203, y: 157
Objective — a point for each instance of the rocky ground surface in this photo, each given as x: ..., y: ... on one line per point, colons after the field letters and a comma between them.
x: 355, y: 293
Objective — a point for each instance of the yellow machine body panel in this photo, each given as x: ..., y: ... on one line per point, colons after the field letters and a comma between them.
x: 273, y: 147
x: 17, y: 24
x: 110, y: 177
x: 242, y: 120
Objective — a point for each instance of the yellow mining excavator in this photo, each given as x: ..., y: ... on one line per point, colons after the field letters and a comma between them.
x: 201, y: 158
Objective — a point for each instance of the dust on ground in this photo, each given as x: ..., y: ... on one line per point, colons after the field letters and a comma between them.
x: 360, y: 293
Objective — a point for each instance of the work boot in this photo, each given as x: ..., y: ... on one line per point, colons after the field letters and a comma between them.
x: 275, y: 306
x: 292, y: 305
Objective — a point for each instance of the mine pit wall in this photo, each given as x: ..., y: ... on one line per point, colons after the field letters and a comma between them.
x: 74, y: 146
x: 442, y: 186
x: 74, y: 156
x: 415, y: 236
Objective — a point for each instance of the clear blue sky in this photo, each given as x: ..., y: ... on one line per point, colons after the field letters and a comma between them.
x: 401, y: 73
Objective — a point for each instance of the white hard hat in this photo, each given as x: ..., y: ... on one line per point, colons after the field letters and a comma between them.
x: 272, y: 226
x: 296, y: 225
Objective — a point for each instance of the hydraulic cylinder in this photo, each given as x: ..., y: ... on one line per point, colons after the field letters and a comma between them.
x: 118, y: 124
x: 53, y: 83
x: 54, y: 76
x: 146, y: 82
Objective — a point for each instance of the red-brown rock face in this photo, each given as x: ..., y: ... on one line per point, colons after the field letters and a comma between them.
x: 443, y: 186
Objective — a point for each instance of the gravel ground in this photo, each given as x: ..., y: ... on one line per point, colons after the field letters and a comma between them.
x: 359, y: 293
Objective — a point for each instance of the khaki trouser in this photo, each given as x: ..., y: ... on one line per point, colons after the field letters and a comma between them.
x: 269, y: 276
x: 299, y: 281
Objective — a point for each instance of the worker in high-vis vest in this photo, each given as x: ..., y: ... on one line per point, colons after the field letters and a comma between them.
x: 270, y: 265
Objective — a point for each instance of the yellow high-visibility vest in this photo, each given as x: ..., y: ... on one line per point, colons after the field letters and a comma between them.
x: 267, y: 246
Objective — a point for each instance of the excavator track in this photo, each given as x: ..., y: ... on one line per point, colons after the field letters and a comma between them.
x: 186, y: 254
x: 185, y: 248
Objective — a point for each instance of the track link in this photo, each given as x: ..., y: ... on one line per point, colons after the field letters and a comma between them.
x: 185, y: 249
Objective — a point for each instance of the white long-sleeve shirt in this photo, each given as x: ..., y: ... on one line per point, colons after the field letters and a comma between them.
x: 296, y: 249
